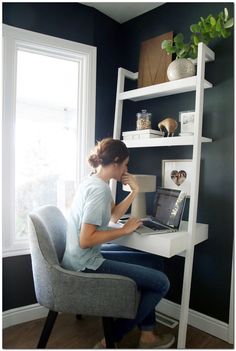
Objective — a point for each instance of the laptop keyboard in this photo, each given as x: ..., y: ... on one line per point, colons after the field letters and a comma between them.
x: 152, y: 225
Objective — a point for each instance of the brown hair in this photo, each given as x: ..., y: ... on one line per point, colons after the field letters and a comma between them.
x: 108, y: 151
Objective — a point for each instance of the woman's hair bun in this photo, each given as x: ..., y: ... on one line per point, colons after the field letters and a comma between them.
x: 94, y: 160
x: 108, y: 151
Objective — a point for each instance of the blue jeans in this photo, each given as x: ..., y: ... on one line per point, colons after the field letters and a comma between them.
x: 125, y: 254
x: 152, y: 284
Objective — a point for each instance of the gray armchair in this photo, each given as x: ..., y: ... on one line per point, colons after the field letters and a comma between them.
x: 60, y: 290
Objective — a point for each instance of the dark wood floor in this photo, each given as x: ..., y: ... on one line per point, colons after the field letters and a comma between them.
x: 70, y: 333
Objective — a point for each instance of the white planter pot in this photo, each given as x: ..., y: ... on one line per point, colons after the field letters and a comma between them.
x: 180, y: 68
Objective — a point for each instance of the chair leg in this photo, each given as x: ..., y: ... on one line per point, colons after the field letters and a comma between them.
x: 108, y: 327
x: 51, y: 318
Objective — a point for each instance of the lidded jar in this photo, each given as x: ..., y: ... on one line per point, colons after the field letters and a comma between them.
x: 144, y: 120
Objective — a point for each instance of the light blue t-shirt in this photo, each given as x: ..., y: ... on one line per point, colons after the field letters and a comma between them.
x: 92, y: 205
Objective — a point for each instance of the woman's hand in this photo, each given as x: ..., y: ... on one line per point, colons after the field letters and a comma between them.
x: 130, y: 179
x: 131, y: 225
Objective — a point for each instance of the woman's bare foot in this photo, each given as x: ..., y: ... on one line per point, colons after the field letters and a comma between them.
x: 100, y: 345
x: 103, y: 343
x: 148, y: 340
x: 148, y: 337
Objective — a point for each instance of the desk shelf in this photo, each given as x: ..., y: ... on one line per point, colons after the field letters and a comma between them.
x: 166, y: 245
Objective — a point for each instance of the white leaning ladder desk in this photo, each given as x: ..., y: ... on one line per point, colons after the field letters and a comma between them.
x: 192, y: 232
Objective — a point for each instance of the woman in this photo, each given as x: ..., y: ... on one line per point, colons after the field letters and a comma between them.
x: 91, y: 211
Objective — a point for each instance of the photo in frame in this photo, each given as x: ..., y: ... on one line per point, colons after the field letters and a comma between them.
x: 177, y: 174
x: 186, y: 119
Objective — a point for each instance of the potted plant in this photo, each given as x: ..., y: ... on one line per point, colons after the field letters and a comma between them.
x: 206, y: 30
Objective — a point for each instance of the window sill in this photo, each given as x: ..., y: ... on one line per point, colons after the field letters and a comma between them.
x: 15, y: 252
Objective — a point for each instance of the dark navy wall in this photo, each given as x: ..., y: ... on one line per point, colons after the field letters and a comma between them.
x: 69, y: 21
x: 119, y: 45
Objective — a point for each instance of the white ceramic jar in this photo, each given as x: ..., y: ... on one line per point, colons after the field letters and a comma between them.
x: 180, y: 68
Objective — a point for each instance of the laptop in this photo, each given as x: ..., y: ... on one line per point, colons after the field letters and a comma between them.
x: 167, y: 212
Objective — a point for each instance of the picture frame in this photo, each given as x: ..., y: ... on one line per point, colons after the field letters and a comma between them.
x: 186, y: 119
x: 177, y: 174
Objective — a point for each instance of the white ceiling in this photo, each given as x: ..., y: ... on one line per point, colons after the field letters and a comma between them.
x: 123, y: 11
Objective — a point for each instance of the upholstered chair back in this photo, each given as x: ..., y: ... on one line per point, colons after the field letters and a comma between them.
x: 47, y: 231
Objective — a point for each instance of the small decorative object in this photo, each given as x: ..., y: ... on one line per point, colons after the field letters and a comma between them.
x: 186, y: 119
x: 180, y: 68
x: 147, y: 184
x: 206, y: 30
x: 144, y: 120
x: 142, y: 134
x: 177, y: 174
x: 168, y: 124
x: 153, y: 61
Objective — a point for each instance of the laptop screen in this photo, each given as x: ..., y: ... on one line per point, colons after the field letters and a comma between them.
x: 169, y: 206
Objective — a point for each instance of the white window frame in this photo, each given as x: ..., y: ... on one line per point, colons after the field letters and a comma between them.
x: 13, y: 40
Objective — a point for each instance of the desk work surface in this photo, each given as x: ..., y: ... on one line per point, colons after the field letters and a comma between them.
x: 166, y: 245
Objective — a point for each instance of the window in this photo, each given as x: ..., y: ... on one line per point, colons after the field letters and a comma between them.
x: 48, y: 126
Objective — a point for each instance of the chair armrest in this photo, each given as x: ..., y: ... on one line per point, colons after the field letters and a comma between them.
x: 94, y: 294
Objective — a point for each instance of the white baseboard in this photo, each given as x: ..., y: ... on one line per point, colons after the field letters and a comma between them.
x: 198, y: 320
x: 23, y: 314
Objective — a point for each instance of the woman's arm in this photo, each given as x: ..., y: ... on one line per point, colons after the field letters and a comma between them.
x: 119, y: 210
x: 90, y: 236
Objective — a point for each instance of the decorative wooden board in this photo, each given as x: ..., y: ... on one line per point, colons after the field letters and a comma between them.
x: 153, y: 61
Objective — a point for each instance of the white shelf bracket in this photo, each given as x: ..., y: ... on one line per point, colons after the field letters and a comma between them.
x: 122, y: 73
x: 194, y: 195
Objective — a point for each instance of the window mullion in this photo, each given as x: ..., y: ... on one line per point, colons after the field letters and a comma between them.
x: 9, y: 89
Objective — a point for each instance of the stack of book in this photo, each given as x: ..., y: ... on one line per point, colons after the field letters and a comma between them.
x: 142, y: 134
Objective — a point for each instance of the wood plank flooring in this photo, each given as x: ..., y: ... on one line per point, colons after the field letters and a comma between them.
x: 70, y: 333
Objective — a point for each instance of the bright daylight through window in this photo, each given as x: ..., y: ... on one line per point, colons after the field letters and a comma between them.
x: 48, y: 126
x: 46, y: 132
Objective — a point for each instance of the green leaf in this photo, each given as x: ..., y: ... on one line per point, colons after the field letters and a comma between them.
x: 163, y: 44
x: 193, y: 52
x: 195, y: 40
x: 229, y: 23
x: 224, y: 33
x: 166, y: 44
x: 193, y: 56
x: 213, y: 21
x: 208, y: 27
x: 172, y: 50
x: 221, y: 15
x: 226, y: 13
x: 179, y: 38
x: 218, y: 25
x: 195, y: 28
x: 179, y: 46
x: 192, y: 28
x: 181, y: 52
